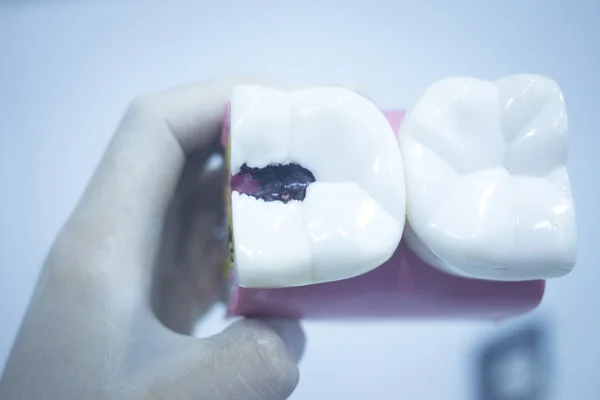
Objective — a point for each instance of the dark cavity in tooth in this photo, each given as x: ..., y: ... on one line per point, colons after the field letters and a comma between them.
x: 278, y: 182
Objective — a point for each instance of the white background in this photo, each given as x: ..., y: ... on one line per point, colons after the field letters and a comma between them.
x: 69, y: 68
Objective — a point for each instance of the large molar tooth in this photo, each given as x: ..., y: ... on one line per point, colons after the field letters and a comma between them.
x: 352, y: 218
x: 488, y: 192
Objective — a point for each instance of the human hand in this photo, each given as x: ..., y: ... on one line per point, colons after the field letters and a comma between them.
x: 144, y: 243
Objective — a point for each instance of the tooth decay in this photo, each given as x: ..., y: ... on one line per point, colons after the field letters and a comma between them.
x: 488, y: 194
x: 280, y: 182
x: 327, y: 199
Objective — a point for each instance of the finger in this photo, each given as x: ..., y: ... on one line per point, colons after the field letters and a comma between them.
x: 248, y: 360
x: 277, y: 340
x: 256, y: 361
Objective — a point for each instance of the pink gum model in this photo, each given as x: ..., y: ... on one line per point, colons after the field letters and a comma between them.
x: 403, y: 287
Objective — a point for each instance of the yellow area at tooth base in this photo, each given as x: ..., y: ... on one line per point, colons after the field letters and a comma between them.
x: 227, y: 267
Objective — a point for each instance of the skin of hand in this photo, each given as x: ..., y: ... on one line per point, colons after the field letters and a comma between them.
x: 134, y: 268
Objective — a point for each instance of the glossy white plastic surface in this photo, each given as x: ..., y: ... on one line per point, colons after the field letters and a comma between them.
x: 488, y: 194
x: 352, y: 218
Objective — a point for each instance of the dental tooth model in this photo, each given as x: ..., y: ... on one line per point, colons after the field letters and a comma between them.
x: 488, y: 194
x: 328, y: 200
x: 317, y: 202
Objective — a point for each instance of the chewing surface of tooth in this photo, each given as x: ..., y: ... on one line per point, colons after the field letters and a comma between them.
x: 488, y: 194
x: 351, y: 218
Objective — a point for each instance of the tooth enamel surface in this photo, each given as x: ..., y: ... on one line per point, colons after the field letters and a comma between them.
x: 488, y: 193
x: 352, y: 217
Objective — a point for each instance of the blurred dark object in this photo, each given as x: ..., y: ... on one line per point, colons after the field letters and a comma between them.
x: 515, y: 366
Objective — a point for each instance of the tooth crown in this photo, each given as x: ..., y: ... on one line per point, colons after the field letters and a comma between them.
x: 488, y: 192
x: 352, y: 218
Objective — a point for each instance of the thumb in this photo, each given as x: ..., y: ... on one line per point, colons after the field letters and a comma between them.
x: 259, y: 358
x: 250, y: 360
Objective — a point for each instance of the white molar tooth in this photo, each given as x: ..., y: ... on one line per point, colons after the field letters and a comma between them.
x: 488, y: 193
x: 352, y: 217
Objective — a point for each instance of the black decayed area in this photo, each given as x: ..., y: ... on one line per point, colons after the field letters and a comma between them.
x: 281, y: 182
